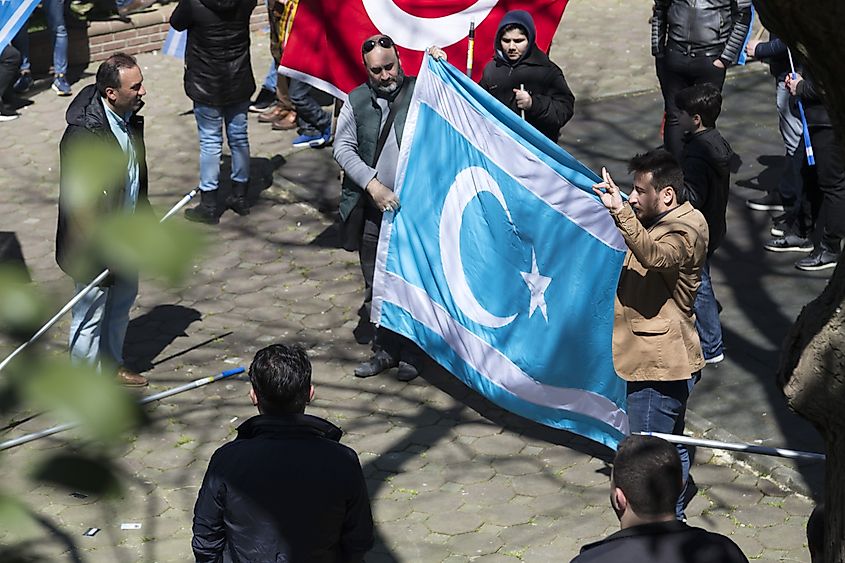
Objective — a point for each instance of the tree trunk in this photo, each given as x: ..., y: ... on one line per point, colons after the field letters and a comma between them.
x: 812, y: 365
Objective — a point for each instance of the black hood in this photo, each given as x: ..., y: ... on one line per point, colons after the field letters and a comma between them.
x: 86, y: 110
x: 524, y: 20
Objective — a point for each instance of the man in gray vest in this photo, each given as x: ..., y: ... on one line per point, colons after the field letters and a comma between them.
x: 369, y: 130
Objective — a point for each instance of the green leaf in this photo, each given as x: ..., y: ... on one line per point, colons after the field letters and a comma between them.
x: 14, y: 516
x: 22, y: 307
x: 78, y: 472
x: 138, y: 242
x: 77, y: 393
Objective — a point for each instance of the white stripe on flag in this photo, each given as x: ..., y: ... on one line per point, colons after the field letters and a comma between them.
x: 20, y: 12
x: 492, y: 364
x: 317, y: 83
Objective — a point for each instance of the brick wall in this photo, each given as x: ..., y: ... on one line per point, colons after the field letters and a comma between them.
x: 95, y: 41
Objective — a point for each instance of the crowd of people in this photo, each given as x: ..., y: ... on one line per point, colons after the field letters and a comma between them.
x: 666, y: 327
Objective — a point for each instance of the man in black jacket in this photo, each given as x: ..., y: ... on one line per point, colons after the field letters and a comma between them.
x: 522, y: 77
x: 219, y: 80
x: 285, y: 490
x: 707, y: 179
x: 103, y: 173
x: 644, y: 485
x: 694, y: 41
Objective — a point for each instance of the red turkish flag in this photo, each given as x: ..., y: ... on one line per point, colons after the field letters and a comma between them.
x: 324, y: 46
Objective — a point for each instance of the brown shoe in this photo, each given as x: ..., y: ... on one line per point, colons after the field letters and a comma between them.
x: 130, y: 379
x: 272, y: 113
x: 285, y: 122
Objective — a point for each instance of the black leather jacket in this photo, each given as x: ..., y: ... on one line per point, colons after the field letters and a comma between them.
x: 714, y: 28
x: 218, y: 71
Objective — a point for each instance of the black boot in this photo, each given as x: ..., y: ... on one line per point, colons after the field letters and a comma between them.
x: 238, y: 202
x: 206, y: 211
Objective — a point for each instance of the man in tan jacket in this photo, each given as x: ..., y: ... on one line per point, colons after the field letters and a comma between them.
x: 655, y: 344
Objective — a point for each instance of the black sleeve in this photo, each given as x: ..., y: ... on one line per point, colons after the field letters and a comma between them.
x: 659, y: 25
x: 209, y: 532
x: 806, y: 91
x: 182, y: 18
x: 696, y: 181
x: 770, y: 49
x: 357, y: 537
x: 556, y: 105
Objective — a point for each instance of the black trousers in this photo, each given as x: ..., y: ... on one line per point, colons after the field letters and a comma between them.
x: 10, y: 60
x: 821, y: 214
x: 677, y: 71
x: 396, y: 345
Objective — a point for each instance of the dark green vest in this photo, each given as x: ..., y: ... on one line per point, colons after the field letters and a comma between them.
x: 367, y: 123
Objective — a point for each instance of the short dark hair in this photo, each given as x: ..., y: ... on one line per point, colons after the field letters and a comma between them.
x: 648, y: 470
x: 703, y: 99
x: 664, y: 168
x: 108, y: 74
x: 281, y: 377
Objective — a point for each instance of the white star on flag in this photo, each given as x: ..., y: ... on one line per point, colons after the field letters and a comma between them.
x: 537, y: 284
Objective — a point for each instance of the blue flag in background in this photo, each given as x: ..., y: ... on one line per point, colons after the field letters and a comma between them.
x: 501, y: 263
x: 175, y: 43
x: 13, y: 16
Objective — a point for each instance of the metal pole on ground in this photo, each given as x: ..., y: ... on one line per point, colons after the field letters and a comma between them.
x: 94, y: 283
x: 736, y: 447
x: 149, y: 399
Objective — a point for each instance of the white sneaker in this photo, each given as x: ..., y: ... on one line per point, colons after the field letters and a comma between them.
x: 715, y: 359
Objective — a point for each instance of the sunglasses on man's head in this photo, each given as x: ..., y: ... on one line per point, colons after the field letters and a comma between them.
x: 384, y: 42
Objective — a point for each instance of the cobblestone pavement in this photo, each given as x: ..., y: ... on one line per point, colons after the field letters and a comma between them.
x: 452, y: 477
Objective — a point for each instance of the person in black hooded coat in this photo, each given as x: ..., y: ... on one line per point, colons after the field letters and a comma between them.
x: 219, y: 80
x: 520, y: 65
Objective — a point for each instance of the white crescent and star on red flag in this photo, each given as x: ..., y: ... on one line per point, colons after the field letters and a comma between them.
x: 324, y: 47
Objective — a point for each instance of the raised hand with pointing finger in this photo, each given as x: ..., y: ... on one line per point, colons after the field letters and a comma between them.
x: 608, y: 192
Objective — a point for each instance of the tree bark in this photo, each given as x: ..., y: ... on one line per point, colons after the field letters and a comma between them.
x: 812, y: 365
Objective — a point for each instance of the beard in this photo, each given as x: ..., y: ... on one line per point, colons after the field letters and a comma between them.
x: 389, y: 89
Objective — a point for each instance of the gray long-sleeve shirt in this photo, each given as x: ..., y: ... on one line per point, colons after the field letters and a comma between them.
x: 346, y: 150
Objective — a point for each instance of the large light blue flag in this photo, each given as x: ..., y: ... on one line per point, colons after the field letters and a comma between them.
x: 13, y: 16
x: 501, y: 263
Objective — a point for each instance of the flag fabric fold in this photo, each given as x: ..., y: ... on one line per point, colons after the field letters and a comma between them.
x: 324, y: 46
x: 501, y: 263
x: 13, y: 16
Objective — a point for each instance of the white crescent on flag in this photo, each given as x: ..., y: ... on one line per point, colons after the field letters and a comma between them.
x: 418, y: 33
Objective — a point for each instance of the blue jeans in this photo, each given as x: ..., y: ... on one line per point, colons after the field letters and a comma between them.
x: 707, y: 316
x: 270, y: 79
x: 56, y: 23
x: 660, y: 406
x: 309, y: 115
x: 99, y: 321
x: 210, y: 123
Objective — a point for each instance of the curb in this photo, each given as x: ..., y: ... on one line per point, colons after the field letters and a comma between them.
x: 771, y: 467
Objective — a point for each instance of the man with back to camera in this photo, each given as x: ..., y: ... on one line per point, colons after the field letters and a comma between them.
x: 644, y: 484
x: 655, y: 344
x: 285, y: 490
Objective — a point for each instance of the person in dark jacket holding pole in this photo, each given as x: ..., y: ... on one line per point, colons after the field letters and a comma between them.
x: 522, y: 77
x: 694, y: 41
x: 285, y: 490
x: 818, y: 223
x: 219, y: 80
x: 103, y: 174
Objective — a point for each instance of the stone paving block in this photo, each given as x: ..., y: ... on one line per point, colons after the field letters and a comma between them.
x: 483, y: 541
x: 454, y: 523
